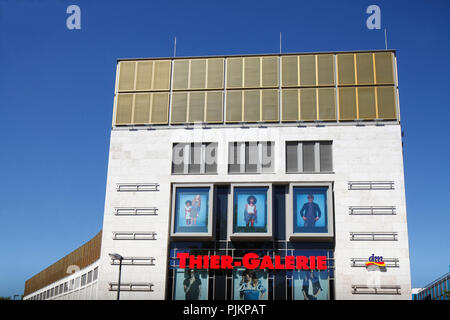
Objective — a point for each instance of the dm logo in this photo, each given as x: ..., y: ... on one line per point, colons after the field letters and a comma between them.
x: 375, y: 263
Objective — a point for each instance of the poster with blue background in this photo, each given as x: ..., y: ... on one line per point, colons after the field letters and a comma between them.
x: 310, y: 285
x: 250, y: 209
x: 310, y: 210
x: 191, y: 210
x: 250, y: 284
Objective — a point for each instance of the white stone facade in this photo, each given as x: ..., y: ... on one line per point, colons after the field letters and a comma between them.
x: 360, y: 153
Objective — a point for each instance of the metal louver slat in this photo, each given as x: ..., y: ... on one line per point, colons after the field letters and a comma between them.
x: 179, y: 107
x: 144, y: 75
x: 366, y: 103
x: 161, y: 77
x: 234, y: 72
x: 234, y: 106
x: 308, y: 110
x: 251, y: 105
x: 364, y: 68
x: 347, y: 104
x: 198, y: 74
x: 180, y: 74
x: 327, y: 104
x: 196, y: 106
x: 126, y: 75
x: 386, y: 103
x: 270, y: 108
x: 124, y: 108
x: 160, y: 108
x: 289, y: 71
x: 290, y: 105
x: 384, y: 68
x: 214, y: 102
x: 141, y: 113
x: 269, y: 71
x: 346, y: 69
x: 252, y: 72
x: 308, y: 70
x: 215, y: 73
x: 325, y: 67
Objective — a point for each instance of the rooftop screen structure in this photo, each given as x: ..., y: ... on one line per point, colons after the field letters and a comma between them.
x: 282, y: 88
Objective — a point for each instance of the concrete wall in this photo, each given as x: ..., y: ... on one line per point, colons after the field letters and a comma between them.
x: 361, y: 153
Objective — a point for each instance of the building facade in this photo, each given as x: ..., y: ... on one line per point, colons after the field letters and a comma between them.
x: 437, y: 290
x: 288, y: 155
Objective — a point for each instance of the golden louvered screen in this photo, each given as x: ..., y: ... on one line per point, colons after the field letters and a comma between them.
x: 327, y: 104
x: 141, y: 114
x: 179, y: 107
x: 346, y: 69
x: 386, y: 103
x: 234, y: 106
x: 384, y: 68
x: 142, y: 108
x: 308, y: 70
x: 215, y: 73
x: 196, y: 106
x: 234, y: 72
x: 289, y: 71
x: 214, y: 102
x: 322, y: 86
x: 290, y: 105
x: 251, y: 105
x: 252, y: 72
x: 126, y: 75
x: 269, y: 73
x: 308, y: 104
x: 325, y: 69
x: 364, y: 67
x: 347, y: 103
x: 269, y: 105
x: 366, y: 103
x: 124, y: 108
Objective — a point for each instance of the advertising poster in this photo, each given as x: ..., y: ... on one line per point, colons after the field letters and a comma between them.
x: 191, y: 284
x: 191, y: 210
x: 310, y: 210
x: 250, y: 210
x: 310, y: 285
x: 250, y: 284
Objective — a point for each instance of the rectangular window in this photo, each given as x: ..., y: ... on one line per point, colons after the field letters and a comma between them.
x: 89, y: 278
x: 95, y: 274
x: 194, y: 158
x: 250, y: 157
x: 309, y: 156
x: 83, y: 279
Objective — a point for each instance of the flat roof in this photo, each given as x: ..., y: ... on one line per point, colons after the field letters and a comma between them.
x: 258, y: 55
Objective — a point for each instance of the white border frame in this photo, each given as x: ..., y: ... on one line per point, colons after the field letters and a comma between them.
x: 251, y: 235
x: 297, y: 236
x: 187, y: 235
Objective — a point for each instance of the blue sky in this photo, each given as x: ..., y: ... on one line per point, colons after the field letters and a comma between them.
x: 56, y: 98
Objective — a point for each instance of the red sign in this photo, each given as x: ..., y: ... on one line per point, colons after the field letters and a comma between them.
x: 252, y: 261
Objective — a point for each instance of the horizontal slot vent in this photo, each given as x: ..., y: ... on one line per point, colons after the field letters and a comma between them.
x: 124, y: 235
x: 361, y: 262
x: 135, y: 261
x: 150, y: 211
x: 384, y: 289
x: 113, y: 286
x: 373, y: 210
x: 373, y: 236
x: 137, y: 187
x: 371, y: 185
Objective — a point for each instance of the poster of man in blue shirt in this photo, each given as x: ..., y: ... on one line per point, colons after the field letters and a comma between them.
x: 310, y: 210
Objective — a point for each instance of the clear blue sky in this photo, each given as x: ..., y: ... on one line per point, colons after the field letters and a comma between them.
x: 56, y: 100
